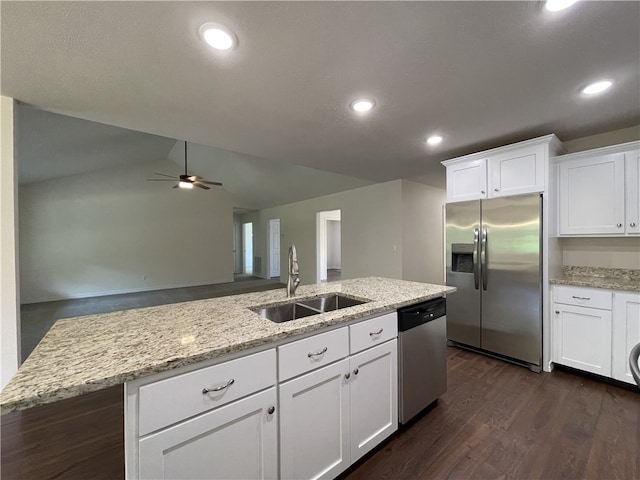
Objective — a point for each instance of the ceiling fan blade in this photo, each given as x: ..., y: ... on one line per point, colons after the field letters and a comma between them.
x: 199, y: 185
x: 210, y: 183
x: 176, y: 185
x: 164, y: 175
x: 161, y: 180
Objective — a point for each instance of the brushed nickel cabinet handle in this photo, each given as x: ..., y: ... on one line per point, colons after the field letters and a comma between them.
x: 619, y: 225
x: 580, y: 298
x: 271, y: 410
x: 218, y: 389
x: 316, y: 354
x: 632, y: 224
x: 347, y: 375
x: 496, y: 189
x: 356, y: 371
x: 372, y: 334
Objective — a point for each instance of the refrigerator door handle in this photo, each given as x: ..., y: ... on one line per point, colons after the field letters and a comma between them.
x: 476, y: 265
x: 483, y: 257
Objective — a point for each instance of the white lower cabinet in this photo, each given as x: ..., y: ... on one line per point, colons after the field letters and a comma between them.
x: 331, y: 417
x: 307, y: 409
x: 582, y: 338
x: 374, y: 397
x: 626, y: 333
x: 314, y: 423
x: 595, y: 329
x: 236, y: 441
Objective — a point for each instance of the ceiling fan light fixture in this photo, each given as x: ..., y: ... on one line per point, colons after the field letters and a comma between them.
x: 218, y: 36
x: 185, y: 184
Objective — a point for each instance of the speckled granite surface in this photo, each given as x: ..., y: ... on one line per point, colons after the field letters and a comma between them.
x: 85, y: 354
x: 597, y: 277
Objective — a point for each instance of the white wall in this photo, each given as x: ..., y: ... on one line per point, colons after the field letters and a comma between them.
x: 602, y: 252
x: 422, y: 232
x: 9, y: 298
x: 112, y: 232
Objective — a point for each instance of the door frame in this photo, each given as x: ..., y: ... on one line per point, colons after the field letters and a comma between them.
x: 321, y: 241
x: 270, y: 269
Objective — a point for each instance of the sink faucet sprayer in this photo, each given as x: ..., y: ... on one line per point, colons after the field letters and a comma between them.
x: 294, y: 275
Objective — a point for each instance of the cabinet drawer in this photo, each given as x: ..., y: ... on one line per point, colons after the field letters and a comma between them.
x: 174, y: 399
x: 373, y: 332
x: 313, y: 352
x: 584, y: 297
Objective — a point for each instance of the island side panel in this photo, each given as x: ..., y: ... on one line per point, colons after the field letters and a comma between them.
x: 76, y: 438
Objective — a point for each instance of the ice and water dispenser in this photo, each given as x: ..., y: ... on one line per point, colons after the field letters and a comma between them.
x: 462, y: 257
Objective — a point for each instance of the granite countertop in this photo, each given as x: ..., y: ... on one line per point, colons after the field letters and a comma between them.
x: 597, y: 277
x: 84, y: 354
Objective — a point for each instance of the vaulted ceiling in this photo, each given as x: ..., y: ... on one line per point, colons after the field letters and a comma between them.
x: 480, y: 73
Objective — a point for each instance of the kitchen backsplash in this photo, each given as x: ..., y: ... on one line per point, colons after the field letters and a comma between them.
x: 602, y: 252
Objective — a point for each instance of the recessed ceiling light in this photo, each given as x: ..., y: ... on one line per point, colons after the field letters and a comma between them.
x: 218, y: 36
x: 597, y: 87
x: 435, y: 139
x: 362, y: 105
x: 557, y: 5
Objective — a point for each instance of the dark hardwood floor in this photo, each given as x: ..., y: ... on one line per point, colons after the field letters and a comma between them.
x: 502, y: 421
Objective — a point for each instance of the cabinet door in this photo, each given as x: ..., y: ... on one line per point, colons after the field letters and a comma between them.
x: 314, y: 423
x: 236, y: 441
x: 592, y: 196
x: 374, y: 397
x: 626, y: 333
x: 632, y: 192
x: 517, y: 172
x: 467, y: 181
x: 582, y: 338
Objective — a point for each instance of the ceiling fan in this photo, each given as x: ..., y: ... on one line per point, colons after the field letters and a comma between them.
x: 186, y: 180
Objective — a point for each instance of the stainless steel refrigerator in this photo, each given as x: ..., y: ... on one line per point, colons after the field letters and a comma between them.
x: 493, y: 257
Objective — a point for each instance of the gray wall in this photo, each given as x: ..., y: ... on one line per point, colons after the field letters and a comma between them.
x: 112, y: 232
x: 385, y: 227
x: 334, y: 257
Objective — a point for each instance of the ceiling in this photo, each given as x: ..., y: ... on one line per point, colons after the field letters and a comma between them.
x: 481, y: 73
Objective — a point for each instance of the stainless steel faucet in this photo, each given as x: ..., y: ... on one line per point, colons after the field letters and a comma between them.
x: 294, y: 274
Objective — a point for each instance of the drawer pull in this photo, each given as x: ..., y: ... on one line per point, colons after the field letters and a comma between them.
x: 317, y: 354
x: 218, y: 389
x: 356, y: 371
x: 580, y: 298
x: 373, y: 334
x: 271, y: 410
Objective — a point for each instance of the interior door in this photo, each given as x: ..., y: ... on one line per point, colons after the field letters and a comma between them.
x: 274, y: 247
x: 463, y: 307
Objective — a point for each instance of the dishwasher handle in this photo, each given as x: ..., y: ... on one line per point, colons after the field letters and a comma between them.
x: 417, y: 315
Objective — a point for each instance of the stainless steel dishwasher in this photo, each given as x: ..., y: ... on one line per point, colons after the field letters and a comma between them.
x: 422, y: 356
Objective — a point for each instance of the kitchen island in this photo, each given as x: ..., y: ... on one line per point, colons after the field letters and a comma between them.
x: 90, y: 354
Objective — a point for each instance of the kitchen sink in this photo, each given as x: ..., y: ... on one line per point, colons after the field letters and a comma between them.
x: 285, y: 312
x: 301, y: 308
x: 327, y: 303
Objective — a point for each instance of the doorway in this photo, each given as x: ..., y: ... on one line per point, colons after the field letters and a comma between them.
x: 328, y: 242
x: 274, y: 247
x: 247, y: 248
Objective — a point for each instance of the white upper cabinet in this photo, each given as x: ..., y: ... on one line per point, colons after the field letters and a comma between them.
x: 598, y: 192
x: 467, y: 181
x: 511, y: 170
x: 632, y: 192
x: 517, y: 172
